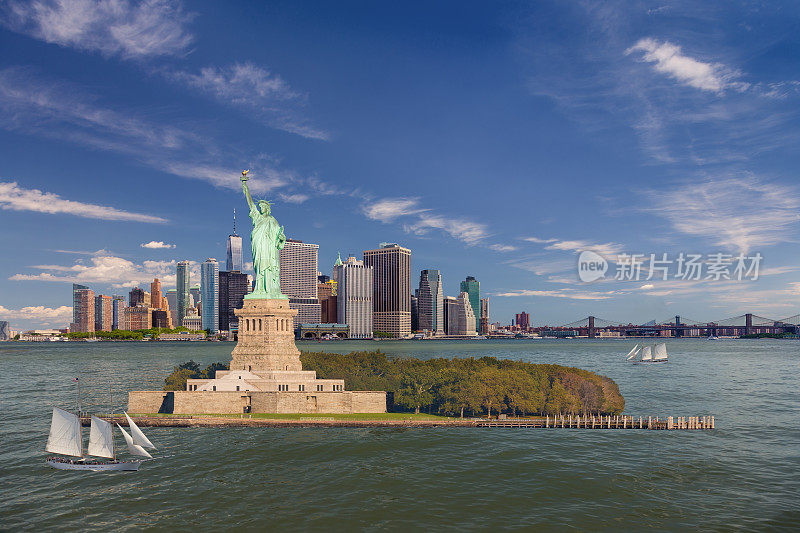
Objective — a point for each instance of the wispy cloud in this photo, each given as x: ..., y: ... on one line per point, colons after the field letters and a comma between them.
x: 43, y: 107
x: 464, y: 230
x: 109, y: 270
x: 667, y: 58
x: 607, y: 249
x: 295, y: 198
x: 570, y: 294
x: 503, y: 247
x: 129, y: 29
x: 157, y: 245
x: 38, y: 315
x: 16, y: 198
x: 255, y: 89
x: 389, y: 209
x: 736, y: 213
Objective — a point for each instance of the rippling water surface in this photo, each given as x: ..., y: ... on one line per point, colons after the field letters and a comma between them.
x: 745, y: 474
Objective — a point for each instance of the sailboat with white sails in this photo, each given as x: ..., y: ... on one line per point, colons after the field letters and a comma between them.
x: 644, y: 354
x: 66, y: 439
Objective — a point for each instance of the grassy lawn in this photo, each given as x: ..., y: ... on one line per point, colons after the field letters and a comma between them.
x: 298, y: 416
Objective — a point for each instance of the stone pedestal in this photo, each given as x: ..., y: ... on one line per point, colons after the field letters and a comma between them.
x: 266, y: 337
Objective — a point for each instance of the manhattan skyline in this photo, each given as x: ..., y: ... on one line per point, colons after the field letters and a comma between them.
x: 493, y: 141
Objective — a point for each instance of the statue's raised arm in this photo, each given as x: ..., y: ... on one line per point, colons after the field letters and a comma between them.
x: 247, y: 190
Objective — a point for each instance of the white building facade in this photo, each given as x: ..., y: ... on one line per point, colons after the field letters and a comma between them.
x: 298, y: 276
x: 209, y: 294
x: 354, y: 297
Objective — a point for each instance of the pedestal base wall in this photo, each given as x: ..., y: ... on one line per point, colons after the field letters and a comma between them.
x: 234, y: 402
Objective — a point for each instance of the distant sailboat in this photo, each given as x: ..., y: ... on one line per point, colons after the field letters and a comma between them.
x: 641, y: 354
x: 66, y: 439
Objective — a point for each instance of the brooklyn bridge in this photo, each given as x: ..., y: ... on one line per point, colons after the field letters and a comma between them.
x: 677, y: 326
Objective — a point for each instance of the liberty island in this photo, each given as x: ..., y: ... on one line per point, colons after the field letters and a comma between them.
x: 266, y: 375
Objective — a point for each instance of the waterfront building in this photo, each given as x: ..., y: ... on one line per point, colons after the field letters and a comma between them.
x: 138, y: 317
x: 83, y: 311
x: 465, y: 318
x: 233, y: 254
x: 156, y: 295
x: 415, y: 311
x: 193, y: 322
x: 103, y: 313
x: 473, y: 288
x: 172, y: 301
x: 196, y: 298
x: 233, y: 286
x: 431, y: 302
x: 450, y: 315
x: 117, y: 310
x: 484, y: 318
x: 298, y: 278
x: 523, y: 320
x: 391, y: 289
x: 5, y: 331
x: 182, y: 288
x: 326, y: 293
x: 354, y: 290
x: 159, y: 318
x: 336, y: 264
x: 147, y: 299
x: 135, y: 297
x: 76, y: 302
x: 209, y: 290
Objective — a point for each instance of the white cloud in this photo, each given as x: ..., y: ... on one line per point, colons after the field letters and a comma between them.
x: 503, y: 247
x: 735, y: 213
x: 388, y: 209
x: 570, y: 294
x: 296, y: 198
x: 668, y: 59
x: 607, y: 249
x: 38, y: 315
x: 129, y: 29
x: 109, y: 270
x: 15, y: 198
x: 255, y: 88
x: 156, y: 245
x: 461, y: 229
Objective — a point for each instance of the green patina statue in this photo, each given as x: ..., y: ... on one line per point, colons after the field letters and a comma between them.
x: 266, y: 241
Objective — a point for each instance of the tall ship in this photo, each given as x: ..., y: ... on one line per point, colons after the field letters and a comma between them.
x: 646, y: 354
x: 66, y: 440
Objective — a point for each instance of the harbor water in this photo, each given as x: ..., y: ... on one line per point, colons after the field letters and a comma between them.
x: 743, y: 475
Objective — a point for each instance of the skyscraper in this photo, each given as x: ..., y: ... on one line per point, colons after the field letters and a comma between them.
x: 103, y: 313
x: 209, y: 290
x: 523, y: 320
x: 430, y: 301
x: 233, y: 261
x: 473, y: 288
x: 76, y: 301
x: 5, y: 331
x: 298, y: 263
x: 484, y: 318
x: 156, y: 295
x: 233, y: 286
x: 465, y: 321
x: 196, y: 297
x: 135, y: 297
x: 83, y: 312
x: 451, y: 315
x: 354, y: 297
x: 391, y: 289
x: 172, y: 300
x: 117, y: 312
x: 326, y: 293
x: 182, y: 287
x: 415, y: 311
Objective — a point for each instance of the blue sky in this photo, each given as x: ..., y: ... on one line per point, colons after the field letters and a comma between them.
x: 497, y: 140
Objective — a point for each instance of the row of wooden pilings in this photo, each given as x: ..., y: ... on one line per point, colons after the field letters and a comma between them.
x: 608, y: 422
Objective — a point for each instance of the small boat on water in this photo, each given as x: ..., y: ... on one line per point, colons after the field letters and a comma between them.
x: 646, y: 354
x: 66, y: 439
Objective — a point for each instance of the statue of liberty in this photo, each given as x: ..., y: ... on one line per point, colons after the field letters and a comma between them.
x: 266, y: 241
